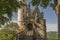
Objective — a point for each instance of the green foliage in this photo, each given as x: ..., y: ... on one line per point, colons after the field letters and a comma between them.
x: 11, y: 26
x: 8, y: 32
x: 42, y: 3
x: 8, y: 6
x: 52, y: 5
x: 45, y: 3
x: 3, y: 20
x: 35, y: 2
x: 7, y: 35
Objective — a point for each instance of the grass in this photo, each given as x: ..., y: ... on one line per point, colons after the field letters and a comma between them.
x: 52, y: 36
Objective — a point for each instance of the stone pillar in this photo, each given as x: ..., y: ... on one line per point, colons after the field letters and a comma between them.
x: 20, y: 19
x: 20, y: 16
x: 45, y: 37
x: 43, y: 23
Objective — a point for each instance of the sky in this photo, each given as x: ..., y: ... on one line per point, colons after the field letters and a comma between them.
x: 49, y: 15
x: 51, y: 19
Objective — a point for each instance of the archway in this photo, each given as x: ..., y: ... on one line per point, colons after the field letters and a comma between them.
x: 29, y: 26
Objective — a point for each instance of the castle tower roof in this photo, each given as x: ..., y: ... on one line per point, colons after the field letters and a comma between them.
x: 28, y: 10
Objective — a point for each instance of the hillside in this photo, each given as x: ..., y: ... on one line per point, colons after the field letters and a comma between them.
x: 52, y: 35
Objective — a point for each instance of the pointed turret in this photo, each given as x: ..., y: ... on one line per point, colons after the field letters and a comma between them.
x: 28, y: 10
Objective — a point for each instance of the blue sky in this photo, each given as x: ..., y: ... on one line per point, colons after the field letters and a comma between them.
x: 51, y: 19
x: 49, y: 15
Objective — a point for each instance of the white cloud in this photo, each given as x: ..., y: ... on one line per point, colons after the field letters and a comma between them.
x: 52, y: 27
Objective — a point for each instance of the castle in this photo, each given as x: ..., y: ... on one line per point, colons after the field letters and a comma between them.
x: 34, y: 25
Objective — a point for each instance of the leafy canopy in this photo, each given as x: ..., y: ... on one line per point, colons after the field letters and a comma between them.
x: 7, y: 7
x: 42, y: 3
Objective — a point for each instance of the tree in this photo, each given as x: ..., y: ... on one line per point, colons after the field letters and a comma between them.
x: 8, y: 32
x: 42, y: 3
x: 7, y: 7
x: 3, y: 20
x: 57, y: 8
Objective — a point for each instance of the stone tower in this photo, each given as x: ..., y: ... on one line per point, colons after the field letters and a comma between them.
x: 34, y: 25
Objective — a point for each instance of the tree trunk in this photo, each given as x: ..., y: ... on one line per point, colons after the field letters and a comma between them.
x: 59, y: 23
x: 57, y: 8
